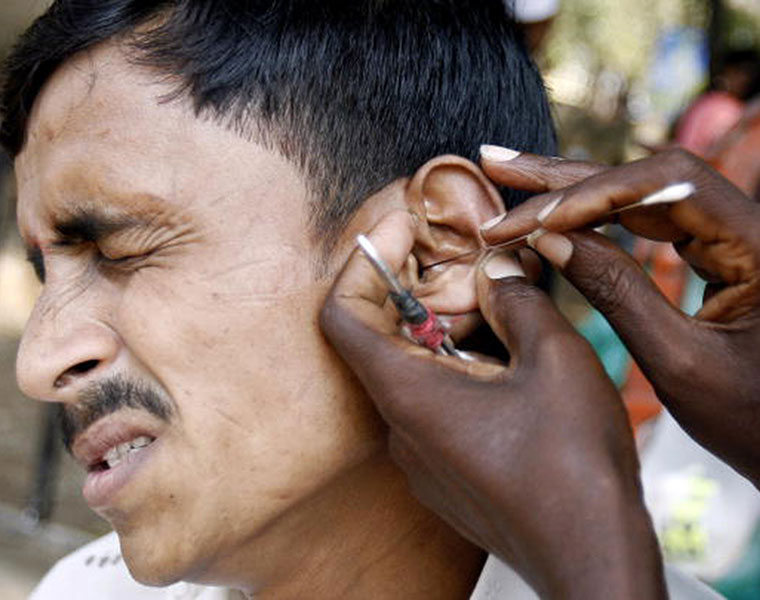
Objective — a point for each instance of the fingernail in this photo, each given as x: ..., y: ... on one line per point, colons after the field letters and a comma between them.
x: 531, y: 239
x: 498, y: 153
x: 502, y: 264
x: 557, y: 248
x: 493, y: 222
x: 548, y: 209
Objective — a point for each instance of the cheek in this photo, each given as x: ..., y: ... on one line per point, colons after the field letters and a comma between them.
x: 267, y: 413
x: 180, y: 329
x: 256, y: 365
x: 252, y: 355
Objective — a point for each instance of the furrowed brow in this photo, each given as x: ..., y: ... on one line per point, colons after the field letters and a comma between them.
x: 92, y: 226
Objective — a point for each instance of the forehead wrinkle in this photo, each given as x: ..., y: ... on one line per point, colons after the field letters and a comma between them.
x: 82, y: 68
x: 90, y: 93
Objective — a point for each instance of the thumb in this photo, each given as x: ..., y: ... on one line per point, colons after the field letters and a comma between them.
x: 355, y: 321
x: 616, y: 285
x: 358, y: 290
x: 521, y: 315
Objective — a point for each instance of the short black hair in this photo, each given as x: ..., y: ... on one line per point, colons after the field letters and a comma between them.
x: 357, y: 93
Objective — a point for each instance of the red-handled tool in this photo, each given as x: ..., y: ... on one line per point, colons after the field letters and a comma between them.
x: 423, y: 325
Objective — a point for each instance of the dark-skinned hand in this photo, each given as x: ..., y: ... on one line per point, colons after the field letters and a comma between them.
x: 705, y: 369
x: 533, y: 461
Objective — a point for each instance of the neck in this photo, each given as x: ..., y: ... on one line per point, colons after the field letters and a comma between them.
x: 366, y: 537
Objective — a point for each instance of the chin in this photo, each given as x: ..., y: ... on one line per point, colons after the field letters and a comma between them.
x: 154, y: 561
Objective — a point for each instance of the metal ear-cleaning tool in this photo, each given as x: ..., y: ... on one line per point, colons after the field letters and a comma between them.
x: 422, y: 325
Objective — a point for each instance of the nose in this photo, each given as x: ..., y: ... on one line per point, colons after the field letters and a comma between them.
x: 62, y: 351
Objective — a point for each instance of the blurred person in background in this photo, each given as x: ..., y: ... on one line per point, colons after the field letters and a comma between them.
x: 737, y: 154
x: 713, y: 114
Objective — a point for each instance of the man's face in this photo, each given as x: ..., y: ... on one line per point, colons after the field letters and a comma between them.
x: 178, y: 269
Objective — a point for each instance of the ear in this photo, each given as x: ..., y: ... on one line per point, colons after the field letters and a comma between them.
x: 451, y: 197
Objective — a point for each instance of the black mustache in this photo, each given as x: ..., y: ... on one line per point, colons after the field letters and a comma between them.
x: 108, y: 396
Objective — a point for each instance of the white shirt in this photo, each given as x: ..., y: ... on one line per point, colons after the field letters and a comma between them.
x: 97, y: 572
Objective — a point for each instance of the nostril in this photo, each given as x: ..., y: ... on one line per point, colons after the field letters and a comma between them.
x: 82, y: 367
x: 72, y: 372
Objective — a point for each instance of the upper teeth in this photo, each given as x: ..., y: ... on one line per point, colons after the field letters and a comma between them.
x: 116, y: 454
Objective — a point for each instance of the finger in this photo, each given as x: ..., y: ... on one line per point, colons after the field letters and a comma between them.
x: 359, y: 288
x: 393, y: 237
x: 521, y: 315
x: 532, y: 172
x: 726, y: 255
x: 392, y: 370
x: 714, y: 198
x: 520, y: 221
x: 594, y: 198
x: 590, y: 202
x: 367, y: 339
x: 352, y: 317
x: 619, y: 288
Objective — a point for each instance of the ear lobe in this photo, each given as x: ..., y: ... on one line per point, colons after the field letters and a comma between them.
x: 452, y: 197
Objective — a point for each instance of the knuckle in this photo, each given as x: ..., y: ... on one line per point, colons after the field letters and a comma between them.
x: 515, y: 294
x: 570, y: 172
x: 680, y: 161
x: 608, y: 285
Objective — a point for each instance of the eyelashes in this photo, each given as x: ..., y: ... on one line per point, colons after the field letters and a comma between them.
x: 35, y: 258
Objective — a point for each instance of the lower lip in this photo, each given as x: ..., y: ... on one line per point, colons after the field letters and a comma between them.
x: 101, y: 487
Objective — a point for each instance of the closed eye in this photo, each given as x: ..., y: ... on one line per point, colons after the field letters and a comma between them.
x: 35, y: 258
x: 130, y: 261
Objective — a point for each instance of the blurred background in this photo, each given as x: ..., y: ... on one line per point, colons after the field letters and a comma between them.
x: 626, y: 77
x: 42, y: 514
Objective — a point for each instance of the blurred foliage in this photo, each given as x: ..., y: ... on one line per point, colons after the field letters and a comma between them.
x: 742, y: 24
x: 598, y: 63
x: 617, y: 35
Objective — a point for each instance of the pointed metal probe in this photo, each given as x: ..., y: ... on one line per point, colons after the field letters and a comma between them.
x: 424, y: 327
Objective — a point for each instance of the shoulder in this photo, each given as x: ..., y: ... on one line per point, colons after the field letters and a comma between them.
x: 97, y: 571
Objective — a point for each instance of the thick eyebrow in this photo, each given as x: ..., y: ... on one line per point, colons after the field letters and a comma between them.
x: 91, y: 226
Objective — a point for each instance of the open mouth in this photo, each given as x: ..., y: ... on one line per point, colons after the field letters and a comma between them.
x: 121, y: 452
x: 114, y: 451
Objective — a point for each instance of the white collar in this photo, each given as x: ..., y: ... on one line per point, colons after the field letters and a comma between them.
x: 96, y: 571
